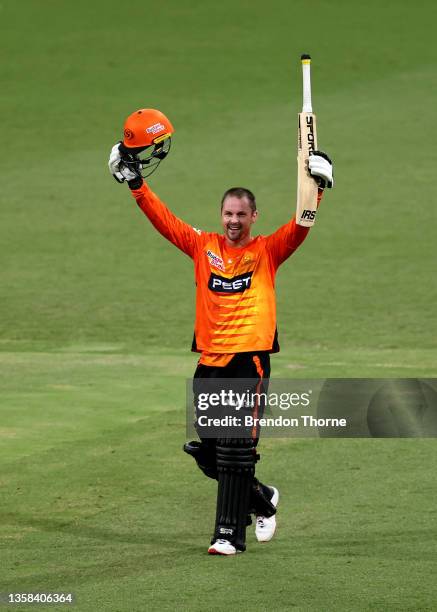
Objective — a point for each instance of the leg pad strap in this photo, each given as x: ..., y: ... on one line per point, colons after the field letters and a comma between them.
x: 204, y: 455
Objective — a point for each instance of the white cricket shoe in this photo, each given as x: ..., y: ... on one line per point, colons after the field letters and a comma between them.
x: 222, y: 547
x: 266, y: 525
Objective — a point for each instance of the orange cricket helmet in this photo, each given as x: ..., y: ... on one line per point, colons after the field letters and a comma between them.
x: 143, y: 129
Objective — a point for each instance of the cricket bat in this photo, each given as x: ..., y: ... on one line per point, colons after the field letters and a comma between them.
x: 306, y: 207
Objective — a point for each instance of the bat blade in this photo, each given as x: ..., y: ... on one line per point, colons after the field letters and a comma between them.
x: 307, y: 190
x: 306, y: 207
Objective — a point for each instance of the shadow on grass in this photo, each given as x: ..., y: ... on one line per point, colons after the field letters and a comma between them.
x: 157, y: 539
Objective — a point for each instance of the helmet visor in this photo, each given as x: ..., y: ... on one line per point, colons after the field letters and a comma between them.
x: 144, y: 161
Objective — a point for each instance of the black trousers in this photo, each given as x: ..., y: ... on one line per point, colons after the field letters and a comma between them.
x: 254, y: 366
x: 231, y: 459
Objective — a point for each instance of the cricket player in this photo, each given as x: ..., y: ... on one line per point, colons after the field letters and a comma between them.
x: 235, y: 326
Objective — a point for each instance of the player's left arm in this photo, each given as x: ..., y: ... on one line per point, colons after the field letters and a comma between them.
x: 282, y: 243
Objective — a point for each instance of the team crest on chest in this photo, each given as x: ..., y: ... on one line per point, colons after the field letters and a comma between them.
x: 215, y: 261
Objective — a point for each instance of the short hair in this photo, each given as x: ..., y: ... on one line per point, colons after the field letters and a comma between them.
x: 240, y: 192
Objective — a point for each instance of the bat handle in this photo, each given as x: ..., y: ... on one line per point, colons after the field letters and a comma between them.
x: 306, y: 79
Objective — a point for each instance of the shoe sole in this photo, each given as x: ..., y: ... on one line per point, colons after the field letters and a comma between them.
x: 213, y: 551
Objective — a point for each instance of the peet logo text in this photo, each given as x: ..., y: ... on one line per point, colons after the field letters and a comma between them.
x: 237, y: 284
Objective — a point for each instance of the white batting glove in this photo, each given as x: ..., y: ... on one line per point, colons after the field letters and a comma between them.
x: 320, y: 166
x: 116, y: 167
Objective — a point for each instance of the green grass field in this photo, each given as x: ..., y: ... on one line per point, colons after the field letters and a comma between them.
x: 96, y: 309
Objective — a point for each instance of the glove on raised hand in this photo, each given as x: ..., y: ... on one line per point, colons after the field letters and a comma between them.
x: 118, y: 169
x: 320, y: 166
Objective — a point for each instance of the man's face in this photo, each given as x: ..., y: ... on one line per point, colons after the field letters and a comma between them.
x: 237, y: 218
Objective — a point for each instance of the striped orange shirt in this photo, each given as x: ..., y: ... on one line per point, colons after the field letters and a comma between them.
x: 235, y: 287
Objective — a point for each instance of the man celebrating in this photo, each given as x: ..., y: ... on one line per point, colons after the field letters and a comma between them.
x: 235, y: 327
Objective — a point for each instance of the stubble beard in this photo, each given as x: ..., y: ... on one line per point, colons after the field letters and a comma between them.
x: 234, y: 235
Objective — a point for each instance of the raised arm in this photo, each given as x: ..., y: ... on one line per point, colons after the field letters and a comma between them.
x: 171, y: 227
x: 182, y: 235
x: 282, y: 243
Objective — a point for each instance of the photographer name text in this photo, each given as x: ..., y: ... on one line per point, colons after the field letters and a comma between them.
x: 304, y: 420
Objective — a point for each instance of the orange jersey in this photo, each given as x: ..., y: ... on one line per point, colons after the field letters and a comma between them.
x: 235, y: 287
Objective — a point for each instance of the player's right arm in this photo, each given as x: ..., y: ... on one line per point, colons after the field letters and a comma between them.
x: 168, y: 225
x: 178, y: 232
x: 282, y: 243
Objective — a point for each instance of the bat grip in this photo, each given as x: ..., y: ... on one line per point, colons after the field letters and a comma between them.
x: 306, y: 79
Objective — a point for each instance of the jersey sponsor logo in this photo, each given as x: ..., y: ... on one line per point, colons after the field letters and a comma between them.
x: 237, y: 284
x: 215, y: 260
x: 155, y: 128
